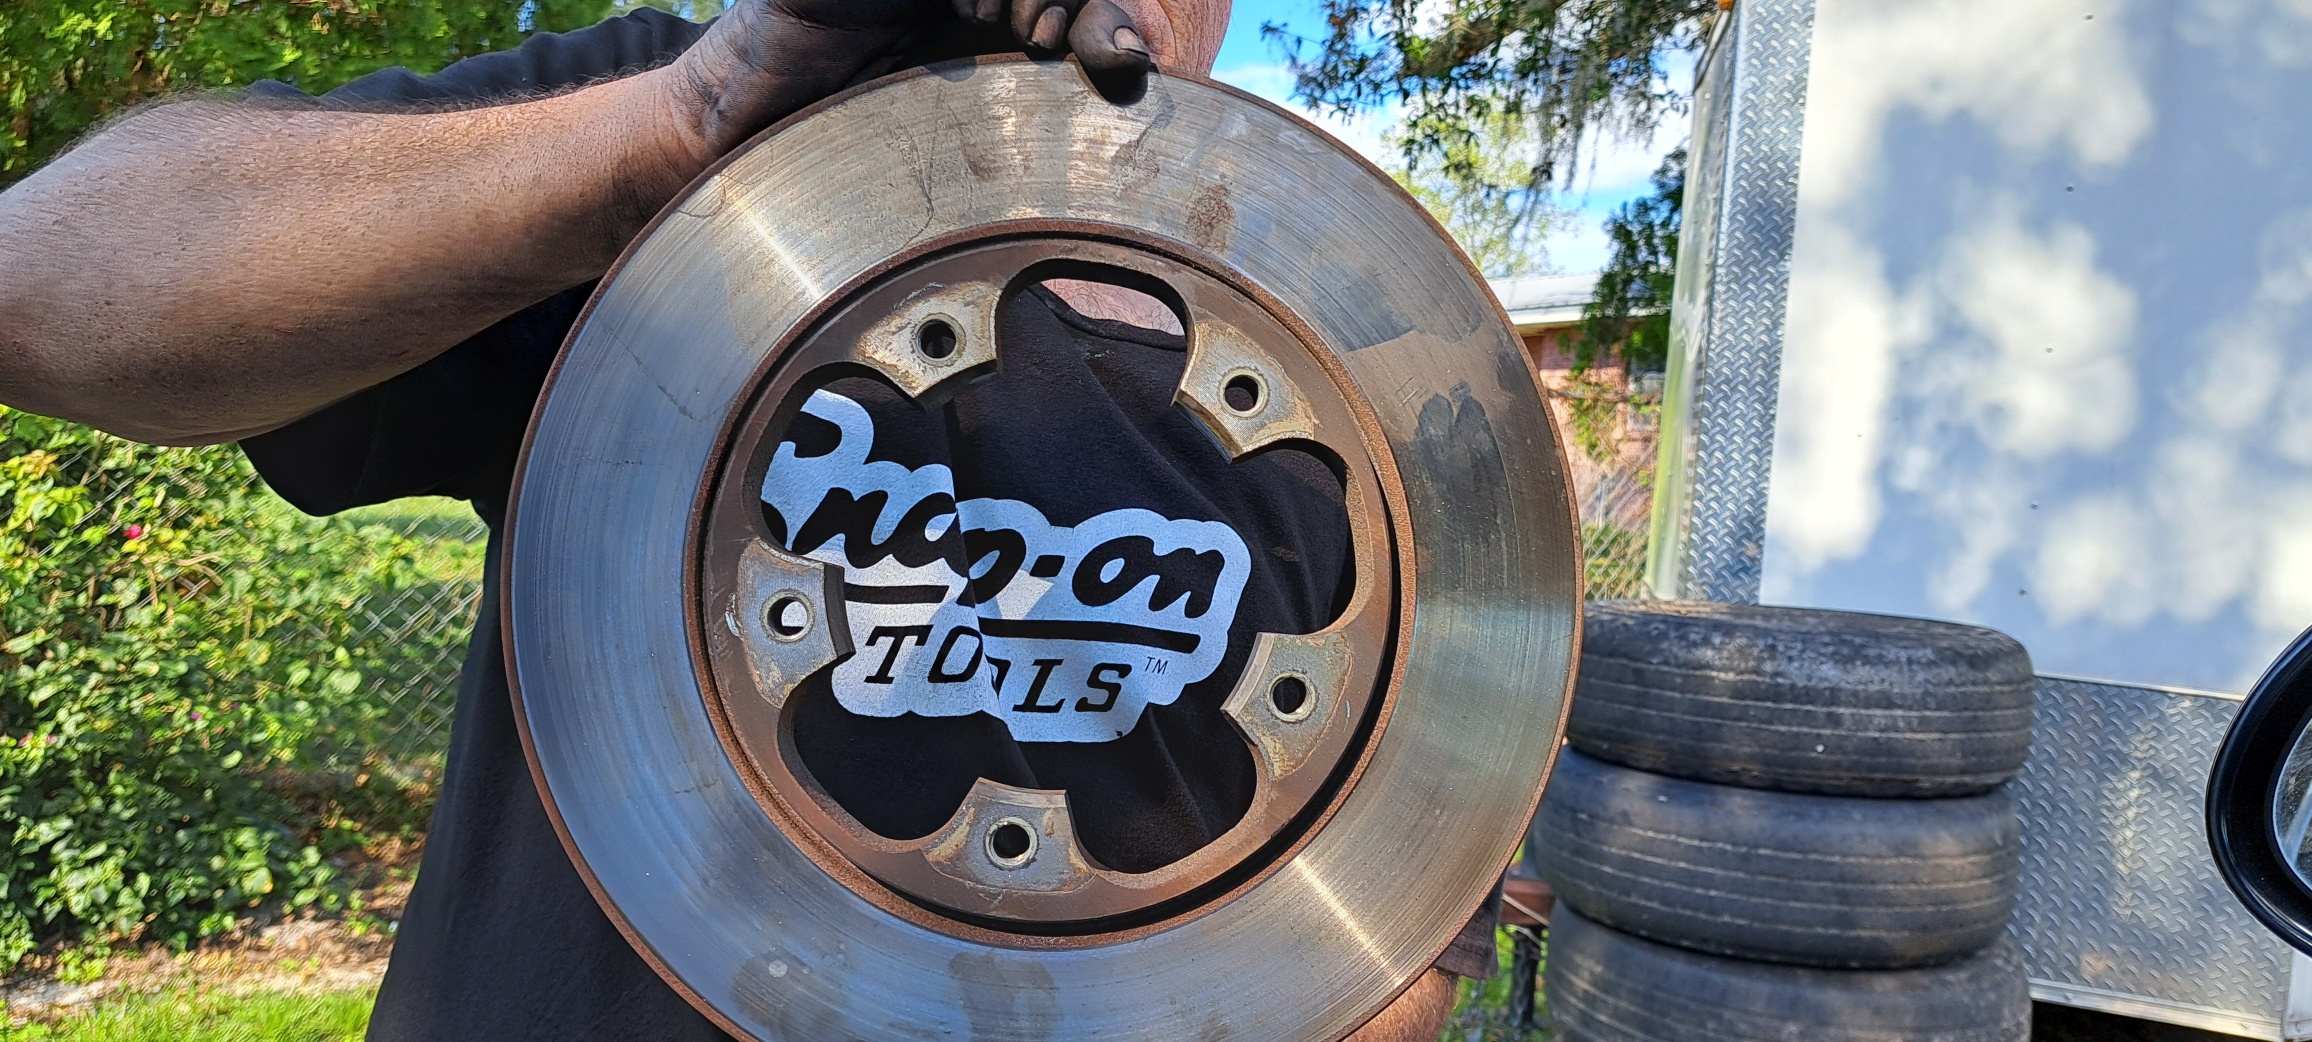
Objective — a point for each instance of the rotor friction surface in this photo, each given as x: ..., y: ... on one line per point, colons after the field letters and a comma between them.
x: 763, y: 925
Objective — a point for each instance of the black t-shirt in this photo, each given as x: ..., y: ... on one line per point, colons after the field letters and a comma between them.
x: 1120, y: 565
x: 1076, y: 450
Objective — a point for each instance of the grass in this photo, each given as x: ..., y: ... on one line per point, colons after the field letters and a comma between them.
x: 201, y: 1015
x: 1482, y: 1013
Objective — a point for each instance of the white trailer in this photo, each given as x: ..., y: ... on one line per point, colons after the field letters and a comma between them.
x: 2000, y: 311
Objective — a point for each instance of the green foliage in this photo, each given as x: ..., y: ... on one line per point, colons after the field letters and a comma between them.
x: 199, y: 1015
x: 1481, y: 1011
x: 82, y: 965
x: 67, y: 64
x: 1490, y: 207
x: 1629, y: 313
x: 1613, y: 561
x: 181, y: 656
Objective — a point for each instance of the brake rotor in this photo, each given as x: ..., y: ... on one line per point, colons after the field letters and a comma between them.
x: 658, y: 631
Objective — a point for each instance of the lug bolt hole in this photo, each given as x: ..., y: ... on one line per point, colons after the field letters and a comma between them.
x: 787, y: 616
x: 1289, y: 696
x: 1244, y: 393
x: 1011, y: 843
x: 936, y: 340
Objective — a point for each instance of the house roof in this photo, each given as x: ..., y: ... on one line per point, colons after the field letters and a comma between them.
x: 1541, y: 301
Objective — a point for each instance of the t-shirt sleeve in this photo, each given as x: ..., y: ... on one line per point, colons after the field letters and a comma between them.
x: 450, y: 427
x: 453, y: 426
x: 544, y: 64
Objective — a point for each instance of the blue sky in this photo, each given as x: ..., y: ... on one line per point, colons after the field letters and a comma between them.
x: 1612, y: 171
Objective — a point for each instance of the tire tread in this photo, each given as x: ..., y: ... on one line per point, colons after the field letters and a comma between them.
x: 1782, y: 877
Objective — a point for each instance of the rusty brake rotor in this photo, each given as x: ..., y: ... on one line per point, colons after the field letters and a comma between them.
x: 658, y: 631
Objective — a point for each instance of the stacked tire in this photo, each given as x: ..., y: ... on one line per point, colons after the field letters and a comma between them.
x: 1780, y: 824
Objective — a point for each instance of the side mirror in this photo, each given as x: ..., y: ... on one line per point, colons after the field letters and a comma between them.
x: 2258, y: 813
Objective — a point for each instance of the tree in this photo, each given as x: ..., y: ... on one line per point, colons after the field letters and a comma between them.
x: 1564, y: 68
x: 67, y: 64
x: 1478, y: 78
x: 1488, y: 207
x: 1629, y: 313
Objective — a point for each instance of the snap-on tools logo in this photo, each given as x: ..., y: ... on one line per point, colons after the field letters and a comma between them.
x: 1064, y: 634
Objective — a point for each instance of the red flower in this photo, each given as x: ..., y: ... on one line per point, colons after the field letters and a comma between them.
x: 132, y: 532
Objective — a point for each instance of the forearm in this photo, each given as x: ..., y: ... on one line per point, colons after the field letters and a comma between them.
x: 207, y: 270
x: 210, y: 269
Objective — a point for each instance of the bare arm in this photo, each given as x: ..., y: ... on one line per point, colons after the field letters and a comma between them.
x: 210, y: 269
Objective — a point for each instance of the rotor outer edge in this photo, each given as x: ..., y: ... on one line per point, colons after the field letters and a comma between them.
x: 1310, y: 952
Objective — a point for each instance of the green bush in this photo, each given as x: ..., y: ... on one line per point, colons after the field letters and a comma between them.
x: 188, y: 684
x: 67, y: 64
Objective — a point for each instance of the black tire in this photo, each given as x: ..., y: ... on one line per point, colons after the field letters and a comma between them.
x: 1605, y: 986
x: 1838, y: 703
x: 1836, y: 881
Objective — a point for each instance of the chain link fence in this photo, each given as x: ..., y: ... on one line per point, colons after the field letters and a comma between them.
x: 1613, y: 543
x: 432, y: 620
x: 1610, y: 425
x: 408, y: 587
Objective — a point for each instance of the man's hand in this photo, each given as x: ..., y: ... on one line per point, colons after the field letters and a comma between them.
x: 767, y: 58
